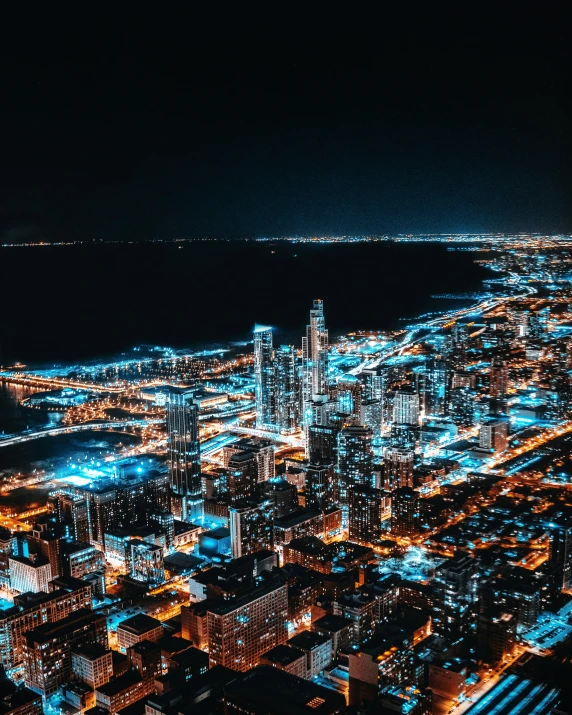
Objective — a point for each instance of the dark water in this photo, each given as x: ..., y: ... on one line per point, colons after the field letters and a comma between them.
x: 71, y: 303
x: 49, y: 453
x: 61, y: 304
x: 14, y: 418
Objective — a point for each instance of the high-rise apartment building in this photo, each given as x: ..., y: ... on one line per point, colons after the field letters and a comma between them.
x: 405, y: 512
x: 47, y: 649
x: 355, y: 458
x: 322, y: 443
x: 315, y: 356
x: 366, y: 506
x: 264, y: 378
x: 561, y: 548
x: 462, y: 406
x: 320, y: 485
x: 242, y: 476
x: 30, y: 574
x: 33, y: 609
x: 398, y: 468
x: 436, y: 388
x: 251, y: 527
x: 406, y: 408
x: 349, y: 396
x: 242, y: 630
x: 261, y: 449
x: 287, y: 390
x: 184, y: 450
x: 455, y: 600
x: 498, y: 383
x: 493, y: 434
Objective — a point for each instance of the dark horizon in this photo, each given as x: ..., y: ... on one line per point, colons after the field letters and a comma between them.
x: 251, y: 121
x: 97, y: 309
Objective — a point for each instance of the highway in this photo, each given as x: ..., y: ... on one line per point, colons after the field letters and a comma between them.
x: 413, y: 336
x: 52, y: 383
x: 55, y: 431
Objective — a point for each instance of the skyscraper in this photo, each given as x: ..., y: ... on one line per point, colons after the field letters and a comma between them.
x: 463, y: 406
x: 498, y: 384
x: 250, y: 527
x: 406, y: 408
x: 242, y: 476
x: 405, y: 512
x: 315, y: 355
x: 398, y: 468
x: 320, y: 486
x: 349, y: 398
x: 287, y: 394
x: 184, y: 450
x: 241, y: 630
x: 322, y: 443
x: 355, y: 458
x: 455, y: 595
x: 436, y: 393
x: 561, y: 548
x: 365, y: 512
x: 264, y: 377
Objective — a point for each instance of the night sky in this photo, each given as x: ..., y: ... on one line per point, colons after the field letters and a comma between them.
x: 136, y: 121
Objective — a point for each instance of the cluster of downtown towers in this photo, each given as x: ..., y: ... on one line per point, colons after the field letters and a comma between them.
x: 338, y: 425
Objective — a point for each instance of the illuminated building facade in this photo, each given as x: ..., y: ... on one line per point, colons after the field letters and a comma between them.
x: 79, y: 560
x: 242, y: 630
x: 355, y: 458
x: 405, y: 512
x: 33, y: 609
x: 366, y: 506
x: 251, y: 527
x: 322, y: 443
x: 493, y: 434
x: 47, y: 649
x: 406, y: 408
x: 242, y: 477
x: 184, y: 450
x: 261, y: 449
x: 498, y: 384
x: 92, y: 664
x: 398, y: 468
x: 436, y: 388
x: 561, y: 549
x: 320, y: 485
x: 29, y: 574
x: 349, y: 395
x: 283, y: 495
x: 315, y: 356
x: 287, y: 390
x: 264, y: 378
x: 463, y: 406
x: 139, y: 628
x: 455, y: 586
x: 146, y: 562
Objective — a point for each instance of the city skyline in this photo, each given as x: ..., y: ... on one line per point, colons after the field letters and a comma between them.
x: 285, y: 359
x: 292, y: 511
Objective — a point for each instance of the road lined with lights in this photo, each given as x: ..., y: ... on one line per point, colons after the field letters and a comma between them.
x: 55, y: 431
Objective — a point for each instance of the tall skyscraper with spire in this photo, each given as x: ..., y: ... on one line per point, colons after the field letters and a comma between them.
x: 315, y: 356
x: 264, y: 378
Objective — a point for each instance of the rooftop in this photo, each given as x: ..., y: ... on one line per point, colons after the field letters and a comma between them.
x: 139, y: 624
x: 276, y: 691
